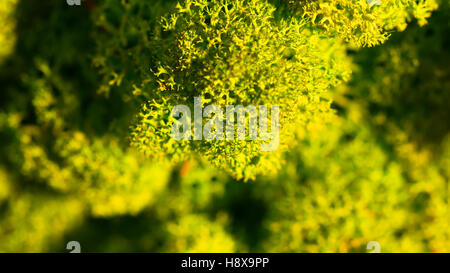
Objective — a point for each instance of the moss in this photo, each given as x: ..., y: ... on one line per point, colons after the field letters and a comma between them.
x: 236, y: 55
x: 363, y: 23
x: 364, y: 144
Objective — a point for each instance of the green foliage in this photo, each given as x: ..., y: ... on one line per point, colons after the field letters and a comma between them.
x: 7, y: 38
x: 193, y: 232
x: 361, y: 159
x: 126, y: 50
x: 239, y: 54
x: 35, y: 219
x: 58, y: 148
x: 343, y: 189
x: 401, y: 88
x: 360, y: 22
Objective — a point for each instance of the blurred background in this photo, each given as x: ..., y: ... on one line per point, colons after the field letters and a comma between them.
x: 379, y: 172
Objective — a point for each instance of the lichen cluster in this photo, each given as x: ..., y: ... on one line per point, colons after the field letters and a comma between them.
x: 363, y: 22
x: 238, y: 54
x: 85, y: 121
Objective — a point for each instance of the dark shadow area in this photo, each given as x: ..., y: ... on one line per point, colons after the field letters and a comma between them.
x: 407, y: 81
x: 247, y: 212
x: 140, y: 233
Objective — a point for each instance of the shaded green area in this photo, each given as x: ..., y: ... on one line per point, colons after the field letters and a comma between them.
x: 377, y: 172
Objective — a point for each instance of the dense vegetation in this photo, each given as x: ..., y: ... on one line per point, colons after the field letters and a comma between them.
x: 86, y: 155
